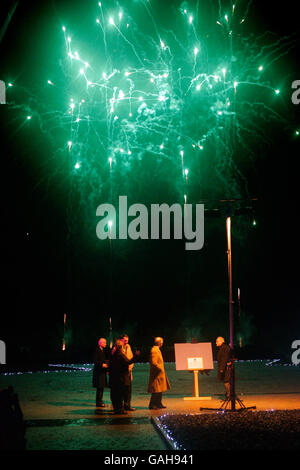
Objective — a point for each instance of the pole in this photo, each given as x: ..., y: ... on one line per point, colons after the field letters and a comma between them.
x: 196, y: 384
x: 232, y: 381
x: 233, y: 398
x: 239, y: 313
x: 228, y: 229
x: 110, y: 334
x: 196, y: 389
x: 232, y: 387
x: 64, y: 340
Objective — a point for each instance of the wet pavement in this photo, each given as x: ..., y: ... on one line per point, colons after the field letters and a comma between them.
x: 60, y: 413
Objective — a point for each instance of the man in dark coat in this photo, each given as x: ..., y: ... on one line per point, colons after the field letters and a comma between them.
x: 224, y: 361
x: 119, y: 377
x: 100, y: 371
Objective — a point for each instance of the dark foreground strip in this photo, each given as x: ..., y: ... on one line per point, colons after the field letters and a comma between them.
x: 84, y: 422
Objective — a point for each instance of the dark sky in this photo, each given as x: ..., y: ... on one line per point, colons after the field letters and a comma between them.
x: 153, y: 287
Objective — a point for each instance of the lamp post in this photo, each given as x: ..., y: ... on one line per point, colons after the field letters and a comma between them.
x: 64, y: 337
x: 228, y: 231
x: 233, y: 399
x: 230, y: 211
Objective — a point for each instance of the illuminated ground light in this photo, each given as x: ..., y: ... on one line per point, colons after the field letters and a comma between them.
x: 167, y: 433
x: 219, y: 430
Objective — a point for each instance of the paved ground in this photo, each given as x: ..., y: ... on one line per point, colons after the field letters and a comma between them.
x: 89, y: 428
x: 59, y: 406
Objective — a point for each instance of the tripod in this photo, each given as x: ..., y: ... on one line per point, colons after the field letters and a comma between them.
x: 232, y: 399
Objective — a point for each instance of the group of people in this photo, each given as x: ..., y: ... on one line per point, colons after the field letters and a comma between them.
x: 113, y: 368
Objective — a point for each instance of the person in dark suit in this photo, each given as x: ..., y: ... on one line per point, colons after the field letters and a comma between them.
x: 119, y: 377
x: 100, y: 369
x: 224, y: 359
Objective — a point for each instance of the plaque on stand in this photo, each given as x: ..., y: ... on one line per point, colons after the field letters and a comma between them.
x: 194, y: 357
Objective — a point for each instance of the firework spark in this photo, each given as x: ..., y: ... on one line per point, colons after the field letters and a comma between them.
x: 190, y: 99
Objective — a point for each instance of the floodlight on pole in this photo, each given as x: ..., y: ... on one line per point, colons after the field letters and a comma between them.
x: 228, y: 230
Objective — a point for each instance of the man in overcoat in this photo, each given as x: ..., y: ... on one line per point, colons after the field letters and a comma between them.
x: 100, y: 371
x: 128, y: 387
x: 158, y: 380
x: 224, y: 359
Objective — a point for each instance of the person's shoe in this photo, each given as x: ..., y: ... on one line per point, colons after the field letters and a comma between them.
x: 129, y: 409
x: 162, y: 406
x: 153, y: 407
x: 100, y: 405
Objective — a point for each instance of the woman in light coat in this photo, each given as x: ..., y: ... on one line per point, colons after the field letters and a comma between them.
x: 158, y: 380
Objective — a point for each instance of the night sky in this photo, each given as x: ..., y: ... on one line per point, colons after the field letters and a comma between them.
x: 52, y: 261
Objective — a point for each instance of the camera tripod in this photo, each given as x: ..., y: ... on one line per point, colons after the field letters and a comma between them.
x: 232, y: 399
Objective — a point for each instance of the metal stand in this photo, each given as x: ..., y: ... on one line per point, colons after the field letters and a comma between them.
x: 233, y: 399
